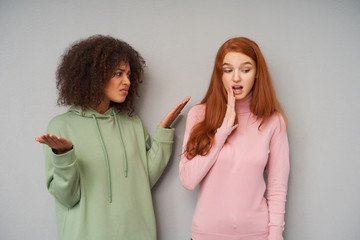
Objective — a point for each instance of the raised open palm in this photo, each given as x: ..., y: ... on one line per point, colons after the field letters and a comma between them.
x: 61, y: 145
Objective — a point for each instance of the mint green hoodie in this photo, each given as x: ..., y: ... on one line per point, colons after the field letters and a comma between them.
x: 102, y: 187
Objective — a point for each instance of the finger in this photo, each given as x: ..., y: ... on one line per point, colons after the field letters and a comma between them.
x: 168, y: 119
x: 52, y: 141
x: 40, y: 140
x: 228, y: 92
x: 229, y: 99
x: 231, y: 94
x: 181, y: 105
x: 177, y: 110
x: 232, y: 99
x: 65, y: 143
x: 186, y: 100
x: 174, y: 113
x: 61, y: 140
x: 228, y: 95
x: 46, y: 139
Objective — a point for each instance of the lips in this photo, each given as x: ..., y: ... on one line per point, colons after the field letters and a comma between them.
x: 237, y: 89
x: 125, y: 91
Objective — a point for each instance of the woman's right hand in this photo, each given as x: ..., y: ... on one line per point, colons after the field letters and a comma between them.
x: 61, y: 145
x: 173, y: 114
x: 230, y: 114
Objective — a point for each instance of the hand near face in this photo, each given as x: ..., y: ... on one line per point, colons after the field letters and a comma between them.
x: 173, y: 114
x: 61, y: 145
x: 230, y: 111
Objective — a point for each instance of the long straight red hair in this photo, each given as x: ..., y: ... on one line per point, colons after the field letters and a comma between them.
x: 263, y: 103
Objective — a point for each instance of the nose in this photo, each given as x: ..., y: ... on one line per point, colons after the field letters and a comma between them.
x: 236, y: 76
x: 126, y: 80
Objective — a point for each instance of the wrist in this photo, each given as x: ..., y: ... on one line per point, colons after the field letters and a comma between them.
x: 61, y: 151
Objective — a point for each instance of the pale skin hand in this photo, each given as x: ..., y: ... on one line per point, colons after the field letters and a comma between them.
x: 61, y: 145
x: 173, y: 114
x: 230, y: 110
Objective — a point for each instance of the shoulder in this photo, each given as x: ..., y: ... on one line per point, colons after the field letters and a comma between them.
x: 133, y: 119
x: 195, y: 115
x: 125, y: 115
x: 59, y: 121
x: 277, y: 123
x: 197, y: 111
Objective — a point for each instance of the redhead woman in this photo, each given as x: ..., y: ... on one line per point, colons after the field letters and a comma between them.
x: 232, y: 137
x: 100, y: 166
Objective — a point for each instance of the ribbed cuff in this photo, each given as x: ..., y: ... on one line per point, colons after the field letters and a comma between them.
x: 223, y: 133
x: 223, y: 128
x: 64, y: 160
x: 275, y: 233
x: 164, y: 134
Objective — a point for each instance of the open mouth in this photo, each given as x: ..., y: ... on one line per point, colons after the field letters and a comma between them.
x: 237, y: 89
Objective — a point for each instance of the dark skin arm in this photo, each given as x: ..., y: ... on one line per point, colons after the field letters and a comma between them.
x: 62, y: 145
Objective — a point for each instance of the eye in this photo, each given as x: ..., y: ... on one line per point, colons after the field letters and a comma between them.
x: 227, y: 70
x: 246, y: 70
x: 119, y: 74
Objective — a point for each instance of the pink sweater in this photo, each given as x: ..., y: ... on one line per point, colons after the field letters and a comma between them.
x: 231, y: 203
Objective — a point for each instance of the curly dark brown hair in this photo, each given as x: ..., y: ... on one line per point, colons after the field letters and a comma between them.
x: 87, y: 66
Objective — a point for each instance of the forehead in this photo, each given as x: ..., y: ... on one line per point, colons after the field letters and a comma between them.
x: 123, y: 65
x: 236, y: 58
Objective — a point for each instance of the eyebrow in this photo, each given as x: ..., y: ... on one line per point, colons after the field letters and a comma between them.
x: 244, y: 63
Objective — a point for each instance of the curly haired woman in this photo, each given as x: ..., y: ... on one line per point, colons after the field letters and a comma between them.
x: 99, y: 164
x: 235, y: 134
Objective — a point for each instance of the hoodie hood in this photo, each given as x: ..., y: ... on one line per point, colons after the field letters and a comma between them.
x: 110, y: 113
x: 89, y: 112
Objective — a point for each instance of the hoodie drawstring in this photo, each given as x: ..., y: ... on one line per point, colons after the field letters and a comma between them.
x: 122, y: 143
x: 106, y: 155
x: 106, y: 160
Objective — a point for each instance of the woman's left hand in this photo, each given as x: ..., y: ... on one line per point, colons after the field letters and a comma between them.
x: 173, y: 114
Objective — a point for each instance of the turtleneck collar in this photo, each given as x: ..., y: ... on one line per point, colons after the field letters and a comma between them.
x: 243, y: 105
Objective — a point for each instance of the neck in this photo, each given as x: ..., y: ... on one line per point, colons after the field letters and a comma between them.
x: 243, y: 105
x: 102, y: 107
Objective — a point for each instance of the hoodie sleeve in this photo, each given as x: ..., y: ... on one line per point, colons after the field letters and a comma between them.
x: 278, y: 172
x: 62, y: 173
x: 159, y: 153
x: 193, y: 171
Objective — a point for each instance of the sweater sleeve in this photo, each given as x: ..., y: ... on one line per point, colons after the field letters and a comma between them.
x: 278, y: 172
x: 193, y: 171
x: 62, y: 174
x: 159, y: 153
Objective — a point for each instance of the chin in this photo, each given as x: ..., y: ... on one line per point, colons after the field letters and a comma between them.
x: 119, y: 100
x: 239, y: 98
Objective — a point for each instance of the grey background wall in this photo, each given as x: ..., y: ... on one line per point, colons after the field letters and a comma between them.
x: 312, y: 49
